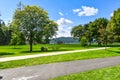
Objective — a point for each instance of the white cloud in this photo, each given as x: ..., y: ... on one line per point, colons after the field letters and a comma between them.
x: 111, y: 14
x: 64, y: 27
x: 63, y: 33
x: 63, y: 22
x: 76, y: 10
x: 60, y: 13
x: 86, y: 11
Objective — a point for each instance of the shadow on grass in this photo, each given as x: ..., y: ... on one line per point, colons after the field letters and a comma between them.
x: 113, y: 51
x: 4, y: 53
x: 103, y: 45
x: 39, y: 51
x: 16, y: 48
x: 113, y: 45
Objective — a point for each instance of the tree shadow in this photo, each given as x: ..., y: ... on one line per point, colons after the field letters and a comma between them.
x: 113, y: 45
x: 39, y: 51
x: 113, y: 51
x: 16, y: 48
x: 5, y: 53
x: 103, y: 45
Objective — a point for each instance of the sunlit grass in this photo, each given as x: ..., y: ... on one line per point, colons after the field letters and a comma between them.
x: 61, y: 58
x: 110, y: 73
x: 24, y: 49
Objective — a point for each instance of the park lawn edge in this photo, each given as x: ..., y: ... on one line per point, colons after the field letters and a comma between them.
x: 106, y: 73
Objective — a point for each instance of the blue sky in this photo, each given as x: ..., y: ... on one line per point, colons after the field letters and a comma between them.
x: 67, y: 13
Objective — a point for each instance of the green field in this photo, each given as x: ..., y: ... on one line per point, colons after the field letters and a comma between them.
x: 6, y: 51
x: 110, y: 73
x: 62, y: 58
x: 18, y: 50
x: 24, y: 49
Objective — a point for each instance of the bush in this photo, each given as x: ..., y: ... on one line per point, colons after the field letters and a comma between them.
x: 83, y: 41
x: 44, y: 49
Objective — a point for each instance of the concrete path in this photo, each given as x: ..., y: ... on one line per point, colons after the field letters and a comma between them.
x: 47, y: 71
x: 45, y: 54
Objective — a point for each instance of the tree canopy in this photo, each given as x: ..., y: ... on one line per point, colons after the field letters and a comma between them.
x: 32, y: 20
x: 114, y: 25
x: 77, y: 31
x: 93, y: 30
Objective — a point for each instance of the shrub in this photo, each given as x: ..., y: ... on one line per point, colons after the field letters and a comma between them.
x: 44, y: 49
x: 83, y: 41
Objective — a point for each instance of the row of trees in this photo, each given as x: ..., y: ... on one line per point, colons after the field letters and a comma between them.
x: 30, y: 24
x: 101, y: 30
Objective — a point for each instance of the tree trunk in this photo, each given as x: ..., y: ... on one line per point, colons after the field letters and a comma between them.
x: 30, y: 46
x: 47, y: 41
x: 106, y: 41
x: 31, y: 41
x: 99, y: 43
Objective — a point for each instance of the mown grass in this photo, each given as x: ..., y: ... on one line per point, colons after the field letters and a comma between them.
x: 61, y: 58
x: 110, y: 73
x: 18, y: 50
x: 24, y: 49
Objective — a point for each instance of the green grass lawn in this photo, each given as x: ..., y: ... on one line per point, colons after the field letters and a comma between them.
x: 110, y: 73
x: 62, y: 58
x: 24, y: 49
x: 18, y: 50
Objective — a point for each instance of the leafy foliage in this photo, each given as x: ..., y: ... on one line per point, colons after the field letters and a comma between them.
x: 5, y: 34
x: 83, y: 41
x: 98, y: 30
x: 77, y: 31
x: 32, y: 21
x: 114, y: 25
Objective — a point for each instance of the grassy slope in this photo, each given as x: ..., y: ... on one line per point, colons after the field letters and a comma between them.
x: 110, y: 73
x: 61, y: 58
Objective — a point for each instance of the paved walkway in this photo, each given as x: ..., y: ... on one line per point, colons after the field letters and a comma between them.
x: 47, y: 71
x: 45, y: 54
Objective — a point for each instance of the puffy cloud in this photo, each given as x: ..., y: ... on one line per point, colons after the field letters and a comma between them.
x: 64, y: 33
x: 86, y: 11
x: 60, y: 13
x: 63, y: 22
x: 64, y: 27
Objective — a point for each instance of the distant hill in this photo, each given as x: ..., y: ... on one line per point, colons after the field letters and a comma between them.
x: 65, y: 40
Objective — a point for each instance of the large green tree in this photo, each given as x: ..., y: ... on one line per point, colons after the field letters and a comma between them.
x: 114, y: 25
x: 77, y: 31
x: 83, y: 33
x: 98, y: 30
x: 30, y: 20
